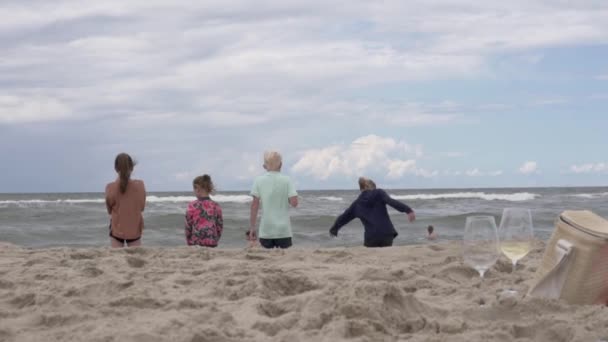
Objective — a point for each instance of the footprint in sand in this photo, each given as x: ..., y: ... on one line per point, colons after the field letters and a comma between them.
x: 81, y: 256
x: 135, y: 262
x: 286, y: 285
x: 436, y: 248
x: 23, y: 301
x: 6, y: 285
x: 458, y: 274
x: 272, y: 309
x: 92, y: 272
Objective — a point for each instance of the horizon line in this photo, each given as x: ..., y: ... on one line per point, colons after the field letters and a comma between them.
x: 332, y: 189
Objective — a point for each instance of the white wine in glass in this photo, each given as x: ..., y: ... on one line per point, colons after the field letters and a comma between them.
x: 516, y: 234
x: 480, y: 243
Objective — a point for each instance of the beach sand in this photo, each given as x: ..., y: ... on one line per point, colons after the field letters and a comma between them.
x: 413, y: 293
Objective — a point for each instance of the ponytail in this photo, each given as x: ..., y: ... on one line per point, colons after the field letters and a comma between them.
x: 124, y: 166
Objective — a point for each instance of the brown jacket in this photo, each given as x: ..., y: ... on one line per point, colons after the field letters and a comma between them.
x: 126, y: 209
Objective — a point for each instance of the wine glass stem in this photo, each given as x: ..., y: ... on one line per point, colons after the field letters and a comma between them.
x: 514, y: 264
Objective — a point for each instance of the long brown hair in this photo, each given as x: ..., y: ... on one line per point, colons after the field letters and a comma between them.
x: 123, y: 164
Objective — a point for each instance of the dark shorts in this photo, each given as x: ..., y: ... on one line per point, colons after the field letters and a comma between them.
x: 123, y: 241
x: 276, y: 243
x: 386, y: 242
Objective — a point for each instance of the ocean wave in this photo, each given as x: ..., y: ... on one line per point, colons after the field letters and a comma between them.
x: 150, y: 199
x: 186, y: 199
x: 514, y: 197
x: 58, y: 201
x: 232, y: 198
x: 331, y: 198
x: 591, y: 195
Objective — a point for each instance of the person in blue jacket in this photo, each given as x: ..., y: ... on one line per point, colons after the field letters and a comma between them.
x: 370, y: 208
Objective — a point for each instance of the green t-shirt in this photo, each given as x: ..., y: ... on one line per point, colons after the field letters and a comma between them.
x: 274, y: 190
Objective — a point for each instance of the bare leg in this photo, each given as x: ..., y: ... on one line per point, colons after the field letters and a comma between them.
x: 134, y: 243
x: 115, y: 244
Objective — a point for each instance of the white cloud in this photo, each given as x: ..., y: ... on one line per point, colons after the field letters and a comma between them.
x: 421, y: 119
x: 589, y: 168
x: 17, y: 109
x: 478, y: 173
x: 528, y: 168
x: 290, y: 57
x: 454, y: 154
x: 370, y: 154
x: 603, y: 77
x: 184, y: 176
x: 474, y: 173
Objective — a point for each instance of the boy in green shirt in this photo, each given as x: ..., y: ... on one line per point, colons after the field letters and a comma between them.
x: 276, y: 192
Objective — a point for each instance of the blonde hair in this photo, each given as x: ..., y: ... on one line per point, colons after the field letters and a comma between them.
x: 272, y: 160
x: 366, y: 184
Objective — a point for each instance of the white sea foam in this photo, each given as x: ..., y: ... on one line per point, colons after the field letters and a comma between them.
x: 169, y: 199
x: 232, y: 198
x: 514, y: 197
x: 591, y: 195
x: 331, y: 198
x: 58, y: 201
x: 149, y: 199
x: 186, y: 199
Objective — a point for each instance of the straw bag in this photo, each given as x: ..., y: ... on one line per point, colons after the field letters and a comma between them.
x: 575, y: 265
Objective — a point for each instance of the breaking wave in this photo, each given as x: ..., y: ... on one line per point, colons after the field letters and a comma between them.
x: 514, y: 197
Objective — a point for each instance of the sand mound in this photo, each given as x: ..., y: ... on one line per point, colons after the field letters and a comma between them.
x: 416, y: 293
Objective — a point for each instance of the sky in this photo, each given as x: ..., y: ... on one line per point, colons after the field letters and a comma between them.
x: 414, y: 94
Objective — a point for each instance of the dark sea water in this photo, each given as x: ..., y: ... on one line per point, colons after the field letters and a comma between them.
x: 80, y: 219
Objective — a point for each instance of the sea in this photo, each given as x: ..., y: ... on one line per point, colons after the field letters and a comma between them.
x: 80, y: 219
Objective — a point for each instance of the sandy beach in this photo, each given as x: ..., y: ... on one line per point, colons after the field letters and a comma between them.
x: 413, y: 293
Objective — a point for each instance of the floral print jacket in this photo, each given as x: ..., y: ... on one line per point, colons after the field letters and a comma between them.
x: 204, y: 223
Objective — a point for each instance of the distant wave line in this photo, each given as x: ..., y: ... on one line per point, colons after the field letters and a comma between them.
x: 150, y: 199
x: 331, y: 198
x: 591, y: 195
x: 514, y: 197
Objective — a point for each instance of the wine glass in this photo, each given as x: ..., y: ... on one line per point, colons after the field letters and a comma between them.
x: 480, y: 243
x: 516, y: 234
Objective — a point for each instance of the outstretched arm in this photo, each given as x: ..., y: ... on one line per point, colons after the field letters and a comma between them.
x: 400, y: 206
x: 347, y: 216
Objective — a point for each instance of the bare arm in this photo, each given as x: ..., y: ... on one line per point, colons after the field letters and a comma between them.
x: 293, y: 201
x: 108, y: 206
x: 219, y: 222
x: 109, y: 203
x: 253, y: 218
x: 143, y: 204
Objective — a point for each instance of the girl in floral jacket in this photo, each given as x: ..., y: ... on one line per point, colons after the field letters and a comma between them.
x: 204, y: 222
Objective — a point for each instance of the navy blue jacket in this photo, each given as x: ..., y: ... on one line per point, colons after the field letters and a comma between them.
x: 370, y: 207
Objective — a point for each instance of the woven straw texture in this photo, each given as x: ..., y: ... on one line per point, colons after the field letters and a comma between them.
x: 587, y: 278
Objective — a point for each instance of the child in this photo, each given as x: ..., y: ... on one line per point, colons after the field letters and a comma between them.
x: 204, y: 222
x: 432, y: 235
